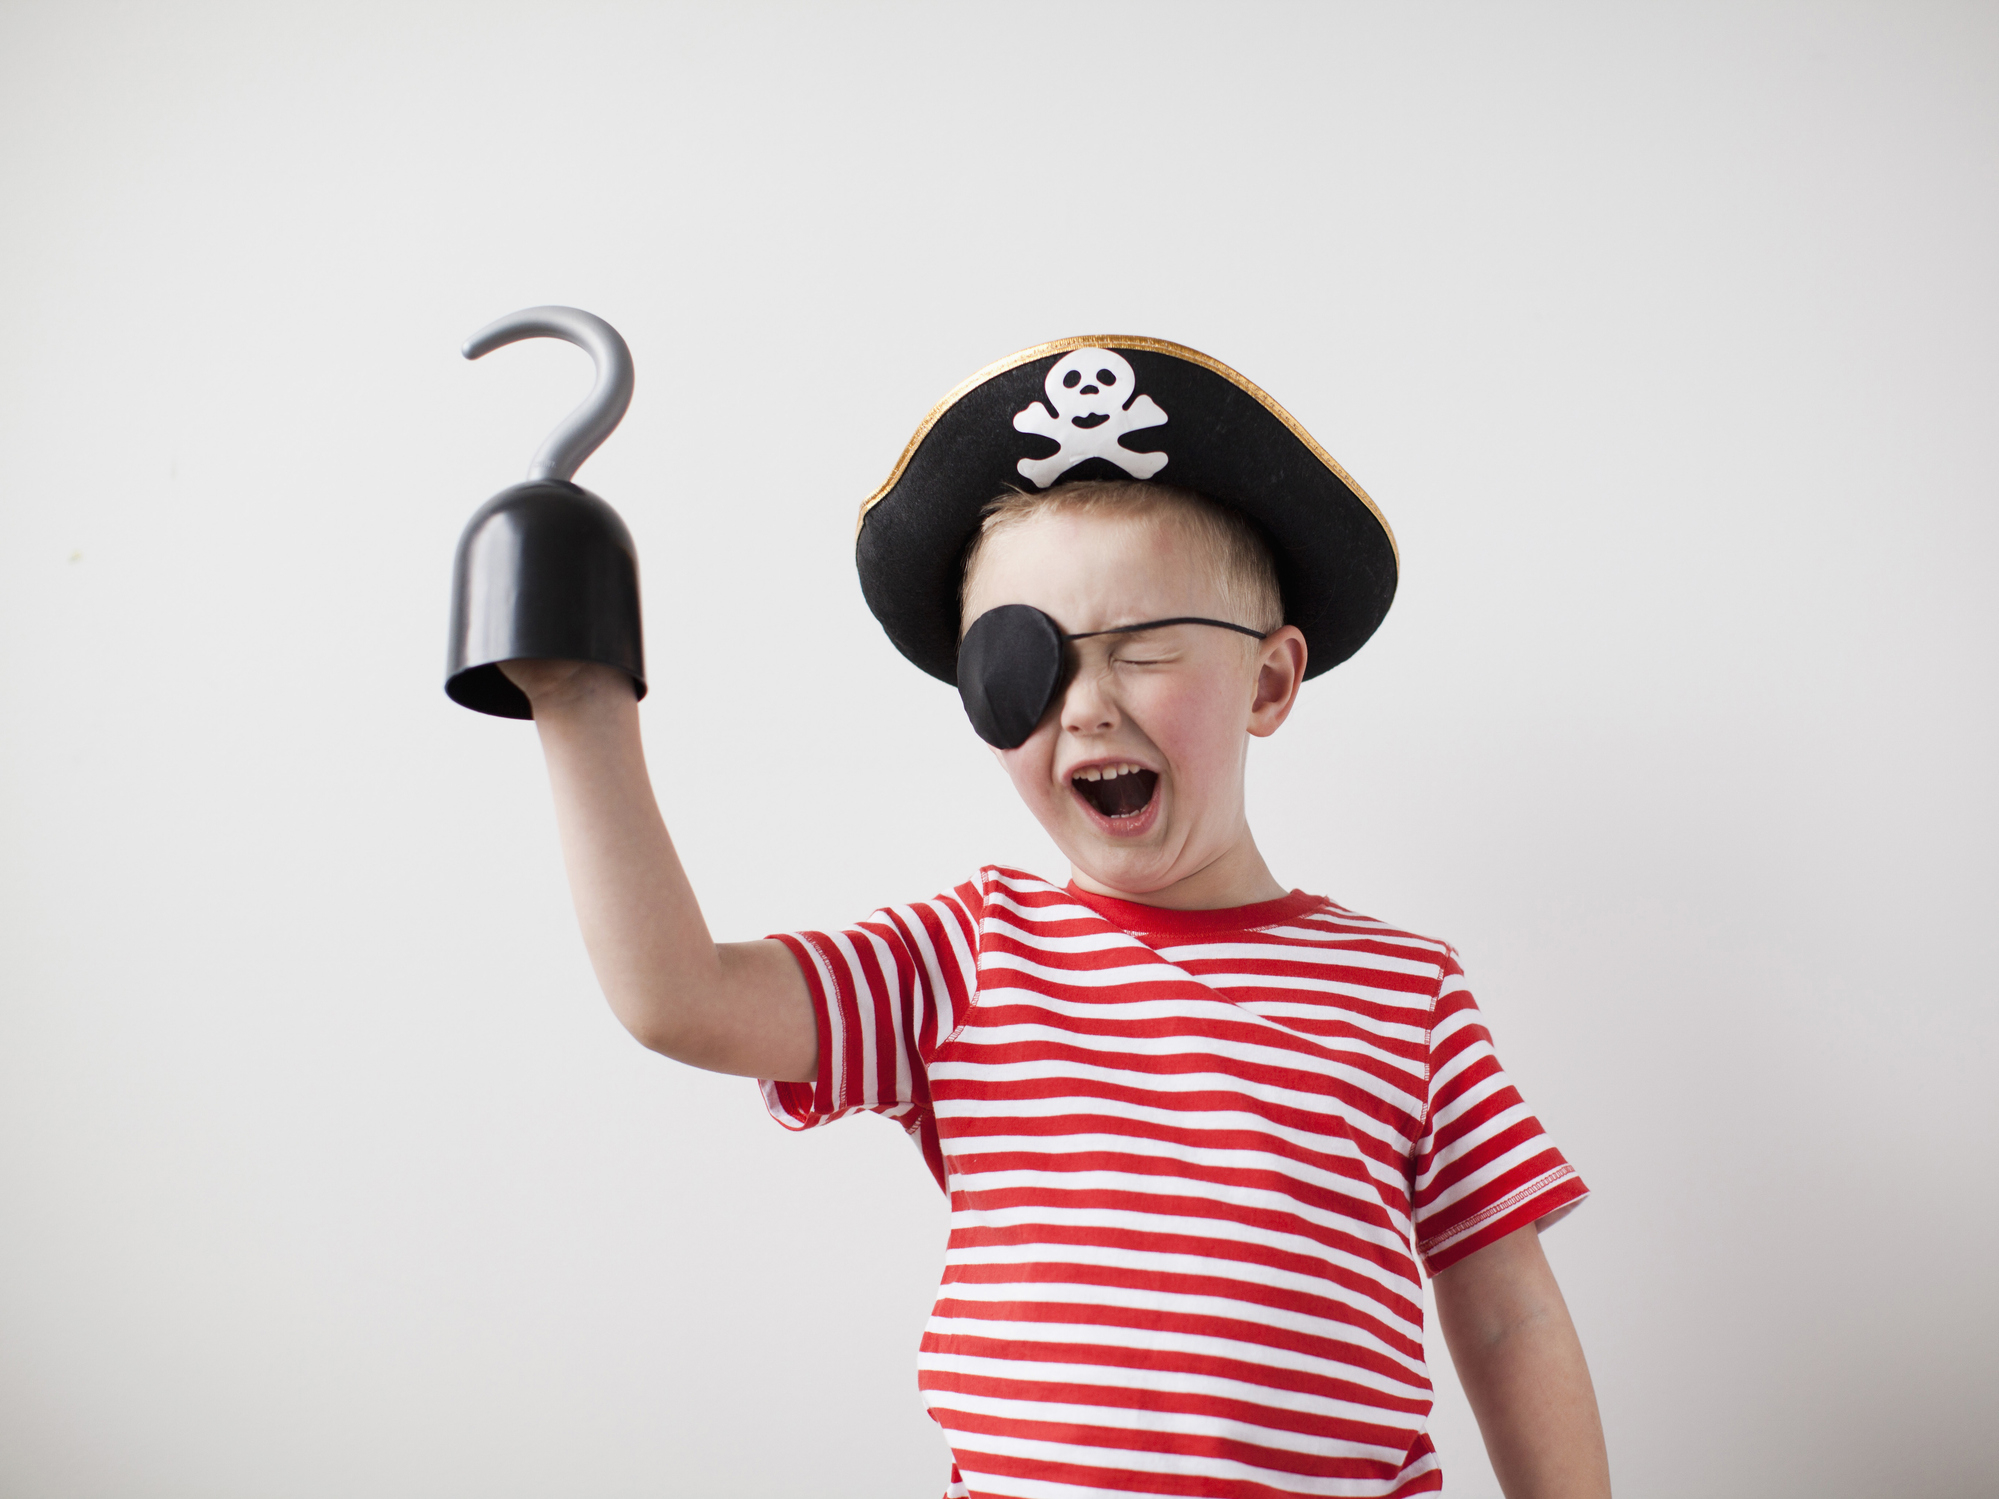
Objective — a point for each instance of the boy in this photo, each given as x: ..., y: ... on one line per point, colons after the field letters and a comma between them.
x: 1198, y: 1131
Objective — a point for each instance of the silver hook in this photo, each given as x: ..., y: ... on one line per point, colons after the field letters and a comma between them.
x: 589, y: 424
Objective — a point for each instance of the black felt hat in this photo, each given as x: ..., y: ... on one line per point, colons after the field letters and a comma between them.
x: 1121, y: 408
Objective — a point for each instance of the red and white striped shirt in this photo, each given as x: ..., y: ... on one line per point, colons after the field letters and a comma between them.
x: 1193, y: 1159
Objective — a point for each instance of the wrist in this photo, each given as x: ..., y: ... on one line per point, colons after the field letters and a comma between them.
x: 561, y: 689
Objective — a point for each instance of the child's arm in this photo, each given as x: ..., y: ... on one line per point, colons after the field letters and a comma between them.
x: 737, y: 1007
x: 1522, y: 1367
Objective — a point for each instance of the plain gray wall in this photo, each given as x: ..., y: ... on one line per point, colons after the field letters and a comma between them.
x: 1665, y: 337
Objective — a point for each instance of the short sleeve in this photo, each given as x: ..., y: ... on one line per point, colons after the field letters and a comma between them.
x: 885, y: 995
x: 1484, y: 1166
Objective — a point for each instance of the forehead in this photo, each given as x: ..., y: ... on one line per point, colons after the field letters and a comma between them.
x: 1091, y: 572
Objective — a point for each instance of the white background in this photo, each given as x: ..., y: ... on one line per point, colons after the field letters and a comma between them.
x: 1664, y: 336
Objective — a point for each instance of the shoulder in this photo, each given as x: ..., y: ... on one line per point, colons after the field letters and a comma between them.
x: 1332, y: 924
x: 998, y: 889
x: 994, y: 890
x: 1422, y: 969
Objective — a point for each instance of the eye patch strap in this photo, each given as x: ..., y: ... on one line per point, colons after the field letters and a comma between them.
x: 1010, y: 667
x: 1155, y: 624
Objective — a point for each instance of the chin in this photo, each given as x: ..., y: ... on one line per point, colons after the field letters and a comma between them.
x: 1133, y: 871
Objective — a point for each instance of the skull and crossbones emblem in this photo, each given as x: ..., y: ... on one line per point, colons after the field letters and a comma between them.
x: 1095, y: 400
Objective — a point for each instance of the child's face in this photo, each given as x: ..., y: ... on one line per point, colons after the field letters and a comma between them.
x: 1178, y: 703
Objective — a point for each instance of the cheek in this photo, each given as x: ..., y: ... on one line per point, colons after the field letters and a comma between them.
x: 1031, y: 767
x: 1181, y: 717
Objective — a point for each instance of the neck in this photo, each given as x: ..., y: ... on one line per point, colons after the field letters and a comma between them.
x: 1237, y: 877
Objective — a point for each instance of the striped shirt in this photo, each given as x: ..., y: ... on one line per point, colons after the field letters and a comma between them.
x: 1194, y: 1159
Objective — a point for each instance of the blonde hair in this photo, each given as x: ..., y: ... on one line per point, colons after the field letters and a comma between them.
x: 1228, y: 541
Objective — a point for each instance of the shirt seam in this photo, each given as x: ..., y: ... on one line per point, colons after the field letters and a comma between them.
x: 834, y: 1062
x: 978, y: 954
x: 1513, y: 1201
x: 1429, y: 1101
x: 1320, y: 903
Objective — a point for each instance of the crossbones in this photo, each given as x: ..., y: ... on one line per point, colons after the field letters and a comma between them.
x: 1095, y: 398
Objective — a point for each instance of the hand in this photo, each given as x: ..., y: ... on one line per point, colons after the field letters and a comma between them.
x: 554, y: 684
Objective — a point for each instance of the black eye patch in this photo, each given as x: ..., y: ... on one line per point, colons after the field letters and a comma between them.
x: 1010, y: 667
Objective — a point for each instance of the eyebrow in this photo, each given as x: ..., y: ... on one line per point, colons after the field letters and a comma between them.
x: 1160, y: 624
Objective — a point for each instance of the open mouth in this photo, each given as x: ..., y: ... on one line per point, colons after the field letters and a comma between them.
x: 1116, y: 790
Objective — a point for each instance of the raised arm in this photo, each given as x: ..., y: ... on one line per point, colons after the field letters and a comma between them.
x: 738, y: 1007
x: 1521, y: 1364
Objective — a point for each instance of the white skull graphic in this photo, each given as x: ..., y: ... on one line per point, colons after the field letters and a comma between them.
x: 1094, y: 395
x: 1086, y: 386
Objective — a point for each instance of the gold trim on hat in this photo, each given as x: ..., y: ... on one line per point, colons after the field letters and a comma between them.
x: 1151, y: 346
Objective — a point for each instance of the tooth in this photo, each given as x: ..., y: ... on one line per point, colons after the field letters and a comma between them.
x: 1087, y: 775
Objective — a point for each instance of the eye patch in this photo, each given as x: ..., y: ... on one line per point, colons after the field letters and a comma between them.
x: 1012, y: 663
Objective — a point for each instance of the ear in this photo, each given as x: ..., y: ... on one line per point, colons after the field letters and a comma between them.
x: 1280, y: 672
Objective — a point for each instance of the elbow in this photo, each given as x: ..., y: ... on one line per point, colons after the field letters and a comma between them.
x: 658, y: 1033
x: 652, y: 1019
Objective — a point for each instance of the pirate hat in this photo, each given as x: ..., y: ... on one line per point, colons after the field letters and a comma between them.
x: 1121, y: 408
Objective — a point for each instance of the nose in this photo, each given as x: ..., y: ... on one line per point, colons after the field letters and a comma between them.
x: 1087, y: 707
x: 1087, y: 390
